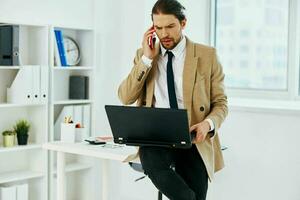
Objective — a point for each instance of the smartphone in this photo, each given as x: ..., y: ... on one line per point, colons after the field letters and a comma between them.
x: 152, y: 39
x: 95, y: 142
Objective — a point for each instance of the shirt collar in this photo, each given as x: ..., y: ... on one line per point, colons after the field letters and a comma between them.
x: 178, y: 49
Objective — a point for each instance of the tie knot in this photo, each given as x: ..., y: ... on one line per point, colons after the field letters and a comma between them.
x: 170, y: 55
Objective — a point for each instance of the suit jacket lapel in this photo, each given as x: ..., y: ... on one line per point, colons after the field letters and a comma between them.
x: 189, y: 75
x: 151, y: 82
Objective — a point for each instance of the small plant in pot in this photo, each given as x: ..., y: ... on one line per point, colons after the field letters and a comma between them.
x: 9, y: 138
x: 22, y: 129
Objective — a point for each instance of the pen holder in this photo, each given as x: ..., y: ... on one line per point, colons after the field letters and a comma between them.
x: 80, y: 134
x: 67, y: 132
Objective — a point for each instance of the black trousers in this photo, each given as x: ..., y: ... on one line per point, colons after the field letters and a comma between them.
x: 189, y: 180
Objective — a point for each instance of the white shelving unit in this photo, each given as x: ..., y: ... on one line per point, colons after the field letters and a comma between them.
x: 31, y: 164
x: 11, y: 105
x: 59, y: 95
x: 73, y: 68
x: 9, y: 67
x: 66, y: 102
x: 28, y: 163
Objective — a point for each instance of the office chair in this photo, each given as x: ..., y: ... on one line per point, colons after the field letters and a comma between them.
x: 138, y: 167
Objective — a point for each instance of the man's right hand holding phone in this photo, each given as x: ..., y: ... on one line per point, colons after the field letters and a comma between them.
x: 150, y: 50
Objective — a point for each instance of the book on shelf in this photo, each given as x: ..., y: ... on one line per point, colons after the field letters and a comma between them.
x: 60, y: 47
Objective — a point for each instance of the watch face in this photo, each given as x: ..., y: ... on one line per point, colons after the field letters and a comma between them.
x: 72, y: 51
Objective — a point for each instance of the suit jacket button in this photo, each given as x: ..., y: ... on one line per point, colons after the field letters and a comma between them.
x: 202, y: 108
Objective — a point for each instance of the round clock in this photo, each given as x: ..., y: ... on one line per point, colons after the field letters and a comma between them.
x: 72, y: 51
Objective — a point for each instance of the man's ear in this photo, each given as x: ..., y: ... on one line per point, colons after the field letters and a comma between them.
x: 183, y: 23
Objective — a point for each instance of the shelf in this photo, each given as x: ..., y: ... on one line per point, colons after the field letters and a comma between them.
x: 19, y: 176
x: 9, y: 67
x: 74, y: 28
x: 66, y: 102
x: 72, y: 68
x: 72, y: 167
x: 20, y: 148
x: 11, y: 105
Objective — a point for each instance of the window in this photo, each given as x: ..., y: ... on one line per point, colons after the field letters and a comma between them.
x: 251, y: 38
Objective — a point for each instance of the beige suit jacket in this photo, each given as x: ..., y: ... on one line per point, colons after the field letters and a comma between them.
x: 203, y: 95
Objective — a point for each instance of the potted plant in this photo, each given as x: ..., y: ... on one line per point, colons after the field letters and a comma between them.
x: 8, y: 138
x: 22, y: 129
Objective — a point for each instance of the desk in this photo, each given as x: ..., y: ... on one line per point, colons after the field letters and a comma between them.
x: 97, y: 151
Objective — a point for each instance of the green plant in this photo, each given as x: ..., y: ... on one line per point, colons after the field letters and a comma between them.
x: 8, y: 132
x: 22, y: 127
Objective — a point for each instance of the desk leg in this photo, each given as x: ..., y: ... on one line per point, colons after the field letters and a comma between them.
x: 61, y: 176
x: 105, y: 182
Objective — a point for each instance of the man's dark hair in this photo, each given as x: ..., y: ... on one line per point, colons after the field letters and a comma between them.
x: 169, y: 7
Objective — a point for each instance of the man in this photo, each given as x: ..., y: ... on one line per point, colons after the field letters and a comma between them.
x: 177, y: 73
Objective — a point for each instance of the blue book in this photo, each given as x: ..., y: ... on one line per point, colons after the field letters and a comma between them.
x: 61, y: 49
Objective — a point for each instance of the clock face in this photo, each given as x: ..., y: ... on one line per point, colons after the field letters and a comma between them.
x: 72, y: 51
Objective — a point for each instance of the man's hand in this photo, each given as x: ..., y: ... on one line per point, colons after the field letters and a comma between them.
x: 201, y: 129
x: 148, y: 52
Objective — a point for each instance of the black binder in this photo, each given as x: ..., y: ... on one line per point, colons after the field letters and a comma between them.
x: 9, y: 45
x: 79, y: 87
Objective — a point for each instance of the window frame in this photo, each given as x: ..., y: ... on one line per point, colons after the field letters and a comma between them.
x: 293, y: 58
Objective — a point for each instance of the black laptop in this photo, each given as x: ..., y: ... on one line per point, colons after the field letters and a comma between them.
x: 142, y: 126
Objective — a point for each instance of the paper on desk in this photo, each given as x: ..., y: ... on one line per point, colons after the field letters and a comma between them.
x: 132, y: 157
x: 104, y: 138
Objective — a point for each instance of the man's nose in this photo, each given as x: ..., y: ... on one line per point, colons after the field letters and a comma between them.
x: 164, y: 33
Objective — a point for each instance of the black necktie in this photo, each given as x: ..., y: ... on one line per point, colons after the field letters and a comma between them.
x: 171, y: 84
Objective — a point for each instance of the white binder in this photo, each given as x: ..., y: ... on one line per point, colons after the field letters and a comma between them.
x: 22, y: 192
x: 8, y: 193
x: 44, y: 84
x: 36, y: 83
x: 20, y: 90
x: 30, y: 83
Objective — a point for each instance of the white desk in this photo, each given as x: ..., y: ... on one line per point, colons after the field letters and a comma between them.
x: 97, y: 151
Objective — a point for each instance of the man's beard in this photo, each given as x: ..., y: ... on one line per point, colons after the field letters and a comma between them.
x: 169, y: 43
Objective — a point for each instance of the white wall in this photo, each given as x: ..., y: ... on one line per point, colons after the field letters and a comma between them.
x: 55, y: 12
x: 263, y: 157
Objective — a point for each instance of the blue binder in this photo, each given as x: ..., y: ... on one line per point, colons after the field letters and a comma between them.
x: 61, y: 49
